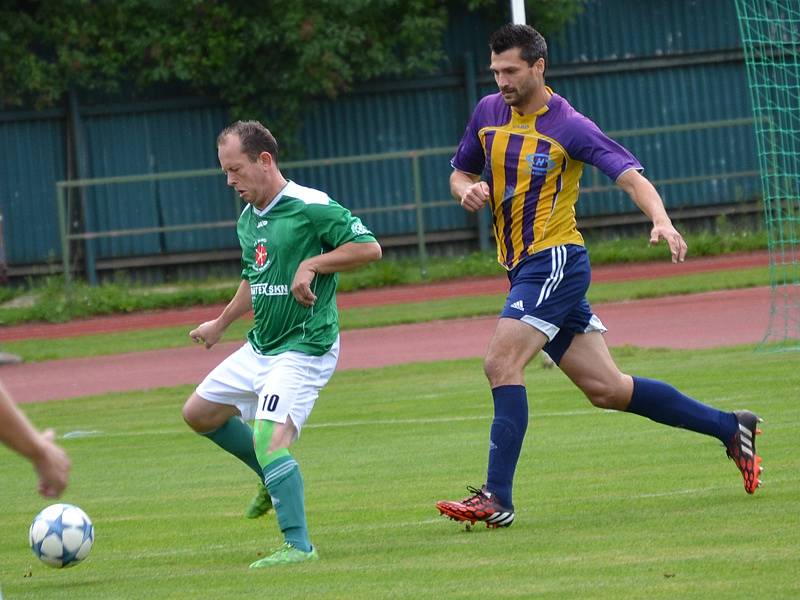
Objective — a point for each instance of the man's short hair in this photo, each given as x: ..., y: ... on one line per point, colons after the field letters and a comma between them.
x: 530, y: 42
x: 254, y: 137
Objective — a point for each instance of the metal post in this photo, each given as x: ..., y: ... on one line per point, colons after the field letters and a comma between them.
x: 471, y: 83
x: 420, y: 210
x: 63, y: 229
x: 3, y: 262
x: 518, y: 12
x: 82, y: 161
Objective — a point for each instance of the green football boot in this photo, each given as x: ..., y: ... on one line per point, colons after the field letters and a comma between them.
x: 260, y: 505
x: 286, y: 555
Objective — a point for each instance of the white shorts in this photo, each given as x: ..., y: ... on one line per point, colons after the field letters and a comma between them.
x: 270, y: 387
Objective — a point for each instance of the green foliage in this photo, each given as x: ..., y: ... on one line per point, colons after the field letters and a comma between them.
x: 378, y: 274
x: 263, y: 59
x: 8, y: 293
x: 56, y: 302
x: 626, y: 250
x: 404, y: 271
x: 547, y: 17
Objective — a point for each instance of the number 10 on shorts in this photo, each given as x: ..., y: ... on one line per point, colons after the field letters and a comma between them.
x: 274, y: 407
x: 269, y: 403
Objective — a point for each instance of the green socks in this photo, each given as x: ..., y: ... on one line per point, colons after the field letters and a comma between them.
x: 285, y: 485
x: 236, y: 437
x: 280, y: 473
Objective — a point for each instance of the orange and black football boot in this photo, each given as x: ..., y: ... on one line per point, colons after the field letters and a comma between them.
x: 480, y: 506
x: 742, y: 449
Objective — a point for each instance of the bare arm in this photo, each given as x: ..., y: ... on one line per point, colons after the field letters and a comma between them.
x: 344, y: 258
x: 49, y: 460
x: 469, y: 190
x: 210, y: 332
x: 645, y: 196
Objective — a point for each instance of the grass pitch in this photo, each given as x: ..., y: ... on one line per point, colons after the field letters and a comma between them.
x: 609, y: 505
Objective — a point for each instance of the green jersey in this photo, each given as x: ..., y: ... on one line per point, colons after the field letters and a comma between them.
x: 297, y: 224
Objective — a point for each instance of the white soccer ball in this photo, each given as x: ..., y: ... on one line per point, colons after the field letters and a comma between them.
x: 61, y: 535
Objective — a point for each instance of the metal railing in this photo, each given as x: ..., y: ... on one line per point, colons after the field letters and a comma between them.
x: 416, y: 203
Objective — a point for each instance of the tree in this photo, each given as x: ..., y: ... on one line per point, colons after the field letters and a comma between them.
x: 260, y: 58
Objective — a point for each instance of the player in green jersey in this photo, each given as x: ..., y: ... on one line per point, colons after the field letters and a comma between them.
x: 294, y: 241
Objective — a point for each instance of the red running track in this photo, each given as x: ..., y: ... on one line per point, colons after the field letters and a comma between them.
x: 376, y: 297
x: 695, y: 321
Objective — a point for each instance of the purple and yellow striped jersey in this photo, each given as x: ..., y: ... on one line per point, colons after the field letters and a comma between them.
x: 533, y: 165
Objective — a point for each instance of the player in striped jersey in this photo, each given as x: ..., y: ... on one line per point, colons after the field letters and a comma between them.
x: 523, y: 154
x: 294, y: 241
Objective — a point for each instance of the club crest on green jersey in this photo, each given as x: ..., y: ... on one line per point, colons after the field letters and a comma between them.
x: 261, y: 261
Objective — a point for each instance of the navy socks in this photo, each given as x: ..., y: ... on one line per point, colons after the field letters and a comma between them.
x: 662, y: 403
x: 508, y: 430
x: 653, y: 399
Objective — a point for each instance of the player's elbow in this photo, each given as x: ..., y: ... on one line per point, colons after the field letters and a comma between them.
x: 454, y: 185
x: 372, y: 252
x: 636, y: 185
x: 630, y: 180
x: 366, y: 252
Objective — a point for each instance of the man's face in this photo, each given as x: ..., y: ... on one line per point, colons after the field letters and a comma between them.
x: 515, y: 79
x: 249, y: 179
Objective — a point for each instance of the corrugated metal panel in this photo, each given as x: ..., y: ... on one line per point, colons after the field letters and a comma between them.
x: 409, y: 115
x: 469, y: 32
x: 33, y: 159
x: 617, y: 29
x: 379, y: 122
x: 669, y: 98
x: 158, y: 142
x: 383, y: 121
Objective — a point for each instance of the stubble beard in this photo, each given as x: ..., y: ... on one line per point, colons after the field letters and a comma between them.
x: 511, y: 99
x: 516, y: 98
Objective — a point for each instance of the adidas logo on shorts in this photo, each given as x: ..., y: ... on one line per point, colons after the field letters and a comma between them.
x: 518, y: 305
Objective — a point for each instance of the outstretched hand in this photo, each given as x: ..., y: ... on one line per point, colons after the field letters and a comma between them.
x: 52, y: 466
x: 677, y: 245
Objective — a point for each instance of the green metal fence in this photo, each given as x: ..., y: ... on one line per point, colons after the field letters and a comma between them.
x: 593, y: 186
x: 415, y: 204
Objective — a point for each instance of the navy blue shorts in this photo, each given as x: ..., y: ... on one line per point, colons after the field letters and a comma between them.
x: 548, y: 292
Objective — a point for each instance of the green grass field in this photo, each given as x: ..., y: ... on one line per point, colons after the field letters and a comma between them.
x: 609, y: 505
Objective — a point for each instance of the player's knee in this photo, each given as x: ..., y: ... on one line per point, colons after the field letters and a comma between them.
x: 199, y: 418
x: 601, y: 398
x: 190, y: 416
x: 499, y: 372
x: 606, y: 394
x: 490, y: 369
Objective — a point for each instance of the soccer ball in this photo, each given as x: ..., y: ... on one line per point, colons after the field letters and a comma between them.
x: 61, y: 535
